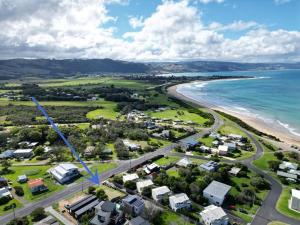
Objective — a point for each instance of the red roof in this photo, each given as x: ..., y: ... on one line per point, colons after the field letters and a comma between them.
x: 35, y: 183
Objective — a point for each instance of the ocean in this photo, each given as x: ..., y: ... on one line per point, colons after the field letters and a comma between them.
x: 273, y: 96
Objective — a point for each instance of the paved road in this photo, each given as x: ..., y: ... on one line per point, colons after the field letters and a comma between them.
x: 123, y: 166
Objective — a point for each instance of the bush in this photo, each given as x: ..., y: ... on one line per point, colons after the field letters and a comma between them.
x: 19, y: 221
x: 38, y: 214
x: 260, y: 183
x: 91, y: 190
x: 130, y: 185
x: 118, y: 179
x: 4, y: 200
x: 19, y: 190
x: 101, y: 194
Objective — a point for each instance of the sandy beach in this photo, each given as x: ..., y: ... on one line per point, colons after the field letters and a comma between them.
x: 258, y: 124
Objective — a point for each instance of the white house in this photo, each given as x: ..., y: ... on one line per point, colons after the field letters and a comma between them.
x: 179, y: 201
x: 231, y: 146
x: 184, y: 162
x: 130, y: 177
x: 295, y: 200
x: 234, y: 171
x: 130, y: 145
x: 235, y: 137
x: 159, y: 193
x: 140, y: 185
x: 23, y: 153
x: 216, y: 192
x: 153, y: 167
x: 214, y: 215
x: 64, y: 172
x: 223, y: 149
x: 288, y: 165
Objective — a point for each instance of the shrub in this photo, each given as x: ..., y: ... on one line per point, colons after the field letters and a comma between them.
x: 19, y: 190
x: 38, y: 214
x: 4, y: 200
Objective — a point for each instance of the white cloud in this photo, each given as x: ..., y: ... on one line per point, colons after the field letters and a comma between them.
x: 210, y: 1
x: 280, y: 2
x: 136, y: 22
x: 175, y: 31
x: 234, y: 26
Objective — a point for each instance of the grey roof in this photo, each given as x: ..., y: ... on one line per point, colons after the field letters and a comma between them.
x: 139, y: 221
x: 210, y: 165
x: 82, y: 202
x: 108, y: 206
x: 216, y: 188
x: 87, y: 207
x: 133, y: 200
x: 189, y: 141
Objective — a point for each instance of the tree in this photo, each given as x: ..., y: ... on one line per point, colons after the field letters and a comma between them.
x: 130, y: 185
x: 279, y: 155
x: 91, y: 190
x: 19, y: 190
x: 274, y: 165
x: 38, y: 214
x: 260, y: 183
x: 5, y: 164
x: 19, y: 221
x: 4, y: 200
x: 39, y: 151
x: 147, y: 191
x: 101, y: 194
x: 118, y: 179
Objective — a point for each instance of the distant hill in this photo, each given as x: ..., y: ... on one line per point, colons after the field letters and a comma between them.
x: 52, y: 68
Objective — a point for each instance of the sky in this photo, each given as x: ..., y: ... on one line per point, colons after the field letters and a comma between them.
x: 152, y: 30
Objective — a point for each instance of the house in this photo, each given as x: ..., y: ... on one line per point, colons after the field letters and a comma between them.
x: 223, y: 149
x: 3, y: 182
x: 89, y: 150
x: 184, y: 162
x: 5, y: 192
x: 188, y: 143
x: 23, y: 153
x: 106, y: 213
x: 22, y: 179
x: 160, y: 192
x: 141, y: 185
x: 295, y: 200
x: 231, y: 146
x: 236, y: 137
x: 216, y: 192
x: 215, y: 143
x: 64, y: 172
x: 36, y: 185
x: 7, y: 154
x: 83, y: 206
x: 153, y: 167
x: 234, y: 171
x: 214, y: 215
x: 293, y: 177
x: 210, y: 166
x: 133, y: 205
x: 130, y: 177
x: 130, y: 145
x: 215, y: 135
x: 288, y: 165
x: 204, y: 148
x: 179, y: 201
x: 137, y: 221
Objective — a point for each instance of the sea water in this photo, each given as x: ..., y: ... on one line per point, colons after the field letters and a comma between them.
x: 273, y: 96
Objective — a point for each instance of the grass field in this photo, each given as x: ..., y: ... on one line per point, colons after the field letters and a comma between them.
x: 111, y: 193
x: 180, y: 114
x: 173, y: 172
x: 207, y: 141
x: 262, y: 162
x: 168, y: 218
x: 33, y: 172
x: 105, y: 81
x: 167, y: 160
x: 106, y: 113
x: 282, y: 204
x: 13, y: 201
x: 231, y: 128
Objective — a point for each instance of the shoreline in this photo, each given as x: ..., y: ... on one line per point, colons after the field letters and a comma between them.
x: 256, y: 123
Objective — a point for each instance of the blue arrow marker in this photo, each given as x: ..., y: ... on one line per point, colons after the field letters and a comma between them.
x: 94, y: 177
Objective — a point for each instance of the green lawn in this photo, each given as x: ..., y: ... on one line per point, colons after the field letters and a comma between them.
x: 106, y: 113
x: 282, y: 204
x: 34, y: 172
x: 101, y: 167
x: 2, y: 211
x: 167, y: 160
x: 173, y: 172
x: 171, y: 218
x: 243, y: 216
x: 111, y: 193
x: 262, y: 162
x: 230, y: 127
x: 180, y: 114
x: 207, y: 141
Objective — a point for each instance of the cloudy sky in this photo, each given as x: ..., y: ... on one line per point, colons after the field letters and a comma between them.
x: 151, y: 30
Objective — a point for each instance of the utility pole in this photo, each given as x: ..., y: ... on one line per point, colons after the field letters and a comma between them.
x: 13, y: 208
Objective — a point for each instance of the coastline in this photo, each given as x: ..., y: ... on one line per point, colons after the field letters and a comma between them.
x: 256, y: 123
